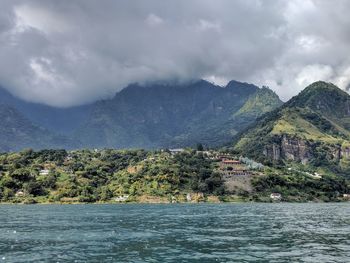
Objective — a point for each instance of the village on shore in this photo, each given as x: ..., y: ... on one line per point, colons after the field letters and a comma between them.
x: 137, y: 176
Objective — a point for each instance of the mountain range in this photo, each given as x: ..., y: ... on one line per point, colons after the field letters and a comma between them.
x: 311, y: 128
x: 139, y: 116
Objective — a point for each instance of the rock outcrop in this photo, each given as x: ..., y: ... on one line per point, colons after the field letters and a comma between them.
x: 300, y: 150
x: 288, y: 148
x: 345, y: 152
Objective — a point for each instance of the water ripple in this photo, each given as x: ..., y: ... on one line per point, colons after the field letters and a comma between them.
x: 175, y: 233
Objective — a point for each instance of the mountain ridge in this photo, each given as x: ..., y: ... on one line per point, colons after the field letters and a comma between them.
x: 152, y: 115
x: 17, y: 133
x: 311, y: 128
x: 169, y: 115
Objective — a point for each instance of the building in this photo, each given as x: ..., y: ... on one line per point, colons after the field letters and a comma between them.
x: 230, y: 167
x: 19, y: 193
x: 316, y: 176
x: 122, y: 198
x: 175, y: 151
x: 276, y: 196
x: 44, y: 172
x: 346, y: 196
x: 229, y: 163
x: 195, y: 197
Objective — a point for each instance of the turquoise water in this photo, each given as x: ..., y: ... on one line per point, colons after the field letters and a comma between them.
x: 175, y: 233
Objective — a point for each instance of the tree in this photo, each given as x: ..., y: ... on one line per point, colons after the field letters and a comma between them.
x: 200, y: 147
x: 21, y: 174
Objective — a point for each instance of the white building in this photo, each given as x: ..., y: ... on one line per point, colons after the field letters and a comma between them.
x: 44, y: 172
x: 121, y: 198
x: 175, y: 151
x: 275, y: 196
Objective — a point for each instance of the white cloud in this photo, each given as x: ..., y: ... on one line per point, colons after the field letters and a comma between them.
x: 71, y: 52
x: 39, y: 18
x: 221, y: 81
x: 310, y: 43
x: 312, y: 73
x: 209, y: 25
x: 154, y: 20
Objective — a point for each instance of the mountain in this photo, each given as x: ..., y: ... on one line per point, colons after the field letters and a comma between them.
x: 17, y: 133
x: 60, y: 120
x: 142, y: 116
x: 312, y: 128
x: 172, y: 115
x: 262, y: 101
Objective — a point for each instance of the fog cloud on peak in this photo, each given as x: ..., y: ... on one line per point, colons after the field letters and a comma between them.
x: 65, y: 53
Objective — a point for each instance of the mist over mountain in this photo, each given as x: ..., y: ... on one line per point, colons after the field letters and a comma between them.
x: 17, y: 133
x: 61, y: 120
x: 151, y: 116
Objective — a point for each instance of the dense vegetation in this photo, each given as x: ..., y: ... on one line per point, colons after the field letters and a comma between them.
x: 151, y: 116
x: 106, y: 175
x: 262, y: 101
x: 313, y: 127
x: 91, y: 176
x: 304, y: 145
x: 299, y: 186
x: 17, y: 132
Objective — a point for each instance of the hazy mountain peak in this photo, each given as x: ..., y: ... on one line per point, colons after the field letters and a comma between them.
x: 162, y: 114
x: 323, y: 97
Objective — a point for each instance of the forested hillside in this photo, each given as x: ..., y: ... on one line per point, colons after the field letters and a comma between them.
x: 151, y: 176
x: 312, y: 128
x: 146, y: 116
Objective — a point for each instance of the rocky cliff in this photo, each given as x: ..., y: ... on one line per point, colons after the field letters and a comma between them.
x: 312, y: 128
x: 288, y: 148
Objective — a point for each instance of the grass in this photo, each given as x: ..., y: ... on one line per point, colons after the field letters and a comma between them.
x: 293, y: 124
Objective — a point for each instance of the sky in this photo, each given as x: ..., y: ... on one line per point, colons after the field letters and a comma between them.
x: 65, y: 53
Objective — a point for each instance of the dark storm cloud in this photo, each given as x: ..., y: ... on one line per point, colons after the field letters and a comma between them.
x: 65, y: 53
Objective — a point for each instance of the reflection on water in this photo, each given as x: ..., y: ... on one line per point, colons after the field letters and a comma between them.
x: 175, y: 233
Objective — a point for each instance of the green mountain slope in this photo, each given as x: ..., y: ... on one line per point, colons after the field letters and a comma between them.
x: 258, y: 103
x: 17, y: 132
x: 174, y: 115
x: 148, y: 116
x: 311, y: 128
x: 262, y: 101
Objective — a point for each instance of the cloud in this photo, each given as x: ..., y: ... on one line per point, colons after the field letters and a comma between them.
x: 154, y: 20
x: 66, y: 53
x: 312, y: 73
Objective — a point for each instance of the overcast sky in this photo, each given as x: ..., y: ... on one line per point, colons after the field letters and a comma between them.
x: 65, y: 53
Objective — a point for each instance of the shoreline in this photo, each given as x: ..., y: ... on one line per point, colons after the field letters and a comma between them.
x: 172, y: 203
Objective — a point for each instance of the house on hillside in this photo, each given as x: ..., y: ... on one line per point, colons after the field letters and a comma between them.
x: 195, y: 197
x: 230, y: 167
x: 44, y: 172
x: 121, y: 198
x: 316, y: 176
x: 175, y: 151
x: 275, y: 196
x: 229, y: 163
x: 20, y: 193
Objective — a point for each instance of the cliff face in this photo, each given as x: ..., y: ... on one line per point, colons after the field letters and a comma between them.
x: 300, y: 150
x: 288, y: 148
x: 345, y: 153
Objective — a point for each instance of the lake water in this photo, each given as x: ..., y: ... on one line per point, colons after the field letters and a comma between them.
x: 175, y: 233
